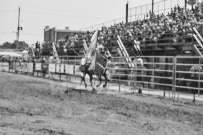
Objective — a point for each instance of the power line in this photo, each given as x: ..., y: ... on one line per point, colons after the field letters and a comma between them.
x: 62, y: 14
x: 8, y: 11
x: 72, y: 11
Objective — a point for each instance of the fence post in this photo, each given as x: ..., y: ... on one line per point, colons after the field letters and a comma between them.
x: 75, y: 66
x: 153, y: 85
x: 68, y: 64
x: 119, y: 87
x: 174, y: 77
x: 136, y: 74
x: 199, y: 79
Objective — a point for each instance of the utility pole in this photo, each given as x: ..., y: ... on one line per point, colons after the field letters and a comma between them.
x: 18, y: 28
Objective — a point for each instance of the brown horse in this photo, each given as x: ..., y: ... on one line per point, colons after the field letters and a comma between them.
x: 98, y: 67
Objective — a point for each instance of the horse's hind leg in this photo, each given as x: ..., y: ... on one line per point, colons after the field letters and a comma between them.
x: 106, y: 79
x: 100, y: 81
x: 83, y: 79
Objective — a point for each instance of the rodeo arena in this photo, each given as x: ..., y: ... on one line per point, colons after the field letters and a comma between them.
x: 139, y: 75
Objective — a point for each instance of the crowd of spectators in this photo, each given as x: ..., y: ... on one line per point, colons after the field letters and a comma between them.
x: 174, y: 27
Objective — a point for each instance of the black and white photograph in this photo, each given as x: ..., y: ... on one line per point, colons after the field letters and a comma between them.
x: 101, y: 67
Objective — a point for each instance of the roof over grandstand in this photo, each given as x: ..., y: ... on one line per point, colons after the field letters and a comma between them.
x: 12, y: 54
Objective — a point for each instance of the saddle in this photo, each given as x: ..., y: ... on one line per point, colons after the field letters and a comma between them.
x: 84, y: 67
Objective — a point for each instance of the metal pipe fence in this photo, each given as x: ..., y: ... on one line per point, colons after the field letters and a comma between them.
x: 160, y: 7
x: 180, y: 74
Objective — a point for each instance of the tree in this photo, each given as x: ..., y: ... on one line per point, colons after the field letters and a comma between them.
x: 15, y: 45
x: 21, y: 45
x: 6, y: 45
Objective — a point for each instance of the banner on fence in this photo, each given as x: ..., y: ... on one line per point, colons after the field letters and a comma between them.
x: 68, y: 69
x: 1, y: 66
x: 45, y: 67
x: 17, y: 66
x: 38, y: 66
x: 52, y: 68
x: 60, y: 68
x: 76, y: 70
x: 12, y: 66
x: 5, y: 66
x: 25, y: 67
x: 30, y: 67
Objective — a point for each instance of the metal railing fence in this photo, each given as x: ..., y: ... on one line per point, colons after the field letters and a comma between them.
x: 182, y: 74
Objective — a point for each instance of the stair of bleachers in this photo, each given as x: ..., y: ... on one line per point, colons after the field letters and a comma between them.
x: 199, y: 50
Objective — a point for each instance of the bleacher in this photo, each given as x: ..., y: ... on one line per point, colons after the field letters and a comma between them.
x: 159, y: 35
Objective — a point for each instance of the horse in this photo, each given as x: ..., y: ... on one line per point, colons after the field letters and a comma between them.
x: 98, y: 67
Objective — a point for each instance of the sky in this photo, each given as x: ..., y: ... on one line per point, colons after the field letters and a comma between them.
x: 75, y: 14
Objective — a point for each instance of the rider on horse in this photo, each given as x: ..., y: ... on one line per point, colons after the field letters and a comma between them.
x: 95, y: 64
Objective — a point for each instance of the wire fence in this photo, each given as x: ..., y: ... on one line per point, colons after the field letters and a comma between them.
x: 160, y: 7
x: 141, y: 12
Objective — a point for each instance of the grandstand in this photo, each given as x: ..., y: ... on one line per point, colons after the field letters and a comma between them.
x: 158, y: 34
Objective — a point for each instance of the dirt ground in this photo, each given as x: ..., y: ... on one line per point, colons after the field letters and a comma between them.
x: 28, y: 106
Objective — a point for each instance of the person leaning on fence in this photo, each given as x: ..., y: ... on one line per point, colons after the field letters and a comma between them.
x: 140, y: 66
x: 133, y: 74
x: 44, y: 69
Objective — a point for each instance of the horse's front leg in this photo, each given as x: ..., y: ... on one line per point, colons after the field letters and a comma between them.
x: 83, y: 79
x: 90, y: 75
